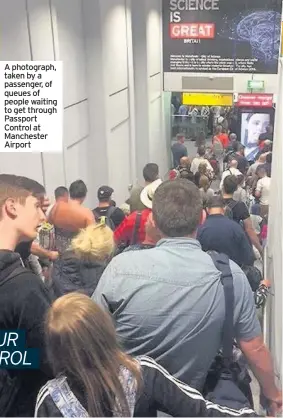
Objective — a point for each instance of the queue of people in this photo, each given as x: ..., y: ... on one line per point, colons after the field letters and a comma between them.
x: 129, y: 317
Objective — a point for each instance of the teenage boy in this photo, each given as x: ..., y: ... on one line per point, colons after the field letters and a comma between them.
x: 24, y: 300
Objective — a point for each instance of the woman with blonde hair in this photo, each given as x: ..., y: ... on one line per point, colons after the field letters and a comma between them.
x: 205, y: 191
x: 81, y: 266
x: 95, y: 378
x: 202, y: 171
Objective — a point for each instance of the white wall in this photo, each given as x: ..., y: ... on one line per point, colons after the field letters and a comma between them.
x: 151, y: 133
x: 105, y: 141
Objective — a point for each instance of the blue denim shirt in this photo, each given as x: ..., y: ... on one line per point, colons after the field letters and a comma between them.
x: 168, y: 303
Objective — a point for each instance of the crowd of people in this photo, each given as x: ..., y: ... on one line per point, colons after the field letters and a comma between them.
x: 126, y: 304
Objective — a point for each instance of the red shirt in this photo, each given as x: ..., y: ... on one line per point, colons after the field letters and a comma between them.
x: 224, y: 139
x: 124, y: 233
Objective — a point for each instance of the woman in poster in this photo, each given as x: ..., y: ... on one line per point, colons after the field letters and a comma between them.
x: 253, y: 124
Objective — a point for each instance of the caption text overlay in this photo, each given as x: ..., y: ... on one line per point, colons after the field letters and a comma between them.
x: 31, y: 114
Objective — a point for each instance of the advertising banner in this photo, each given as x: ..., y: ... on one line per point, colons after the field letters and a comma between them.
x: 221, y: 36
x: 255, y: 100
x: 207, y: 99
x: 253, y: 124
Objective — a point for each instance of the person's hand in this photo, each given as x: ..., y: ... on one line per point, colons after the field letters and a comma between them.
x: 266, y: 283
x: 53, y: 255
x: 275, y: 406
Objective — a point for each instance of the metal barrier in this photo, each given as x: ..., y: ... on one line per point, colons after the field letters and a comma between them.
x: 190, y: 127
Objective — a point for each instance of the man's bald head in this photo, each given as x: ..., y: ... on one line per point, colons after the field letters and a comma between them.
x: 233, y: 163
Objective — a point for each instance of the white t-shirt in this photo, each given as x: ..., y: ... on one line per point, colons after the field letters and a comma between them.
x: 263, y: 187
x: 196, y: 162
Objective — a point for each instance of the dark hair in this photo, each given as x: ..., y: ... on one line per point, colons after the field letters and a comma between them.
x: 60, y: 192
x: 201, y: 150
x: 177, y: 208
x: 235, y: 146
x: 269, y: 158
x: 230, y: 184
x: 215, y: 201
x: 78, y: 190
x: 19, y: 187
x: 151, y: 172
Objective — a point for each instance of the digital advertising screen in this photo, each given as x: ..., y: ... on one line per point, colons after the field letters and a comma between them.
x: 252, y: 126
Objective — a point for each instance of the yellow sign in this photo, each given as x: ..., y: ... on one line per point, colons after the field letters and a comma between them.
x: 207, y: 99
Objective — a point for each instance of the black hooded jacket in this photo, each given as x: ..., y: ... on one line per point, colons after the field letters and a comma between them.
x: 24, y: 301
x: 72, y: 274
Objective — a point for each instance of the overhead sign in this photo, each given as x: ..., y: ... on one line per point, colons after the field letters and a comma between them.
x: 255, y: 100
x: 221, y: 36
x: 256, y: 85
x: 207, y: 99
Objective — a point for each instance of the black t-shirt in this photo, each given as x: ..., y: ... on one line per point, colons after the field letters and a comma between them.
x: 265, y: 136
x: 239, y: 209
x: 117, y: 216
x: 179, y: 151
x: 243, y: 163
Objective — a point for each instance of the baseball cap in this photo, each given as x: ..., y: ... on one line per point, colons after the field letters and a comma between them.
x: 104, y: 192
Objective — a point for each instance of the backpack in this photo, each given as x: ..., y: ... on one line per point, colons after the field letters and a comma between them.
x: 228, y: 210
x: 217, y: 147
x: 107, y: 218
x: 226, y: 384
x: 9, y: 386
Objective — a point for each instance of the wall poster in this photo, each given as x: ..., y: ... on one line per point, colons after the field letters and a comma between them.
x: 221, y: 36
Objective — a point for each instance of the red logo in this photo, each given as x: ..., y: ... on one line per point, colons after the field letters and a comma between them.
x: 192, y: 30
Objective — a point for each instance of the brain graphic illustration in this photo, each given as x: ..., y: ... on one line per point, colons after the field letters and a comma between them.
x: 262, y: 30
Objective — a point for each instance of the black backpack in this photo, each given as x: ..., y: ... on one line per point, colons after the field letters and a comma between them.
x: 9, y: 386
x: 106, y: 218
x: 225, y: 384
x: 228, y: 210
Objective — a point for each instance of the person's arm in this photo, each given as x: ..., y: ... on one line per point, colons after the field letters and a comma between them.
x: 39, y: 251
x: 193, y: 167
x: 90, y: 219
x: 248, y: 226
x: 260, y: 361
x: 246, y: 250
x: 33, y: 302
x: 258, y: 189
x: 163, y: 392
x: 249, y: 337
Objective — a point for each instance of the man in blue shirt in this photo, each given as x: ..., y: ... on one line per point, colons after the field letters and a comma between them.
x: 179, y: 150
x: 167, y: 302
x: 221, y: 234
